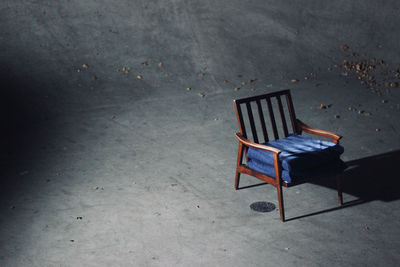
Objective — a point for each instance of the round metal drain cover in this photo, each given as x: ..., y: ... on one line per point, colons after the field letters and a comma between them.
x: 262, y: 206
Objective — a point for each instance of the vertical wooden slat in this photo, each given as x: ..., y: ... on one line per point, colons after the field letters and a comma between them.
x: 252, y: 125
x: 291, y: 112
x: 239, y: 116
x: 272, y: 117
x: 284, y: 124
x: 262, y: 121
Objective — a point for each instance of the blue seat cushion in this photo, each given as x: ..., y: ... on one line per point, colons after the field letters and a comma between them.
x: 298, y: 152
x: 294, y: 176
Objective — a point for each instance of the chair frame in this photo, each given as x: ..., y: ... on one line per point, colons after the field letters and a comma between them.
x: 298, y: 127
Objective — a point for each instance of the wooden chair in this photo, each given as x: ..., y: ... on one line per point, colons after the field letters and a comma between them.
x: 274, y: 104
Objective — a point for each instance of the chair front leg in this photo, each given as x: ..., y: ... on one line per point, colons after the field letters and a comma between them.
x: 280, y: 200
x: 238, y: 163
x: 278, y: 185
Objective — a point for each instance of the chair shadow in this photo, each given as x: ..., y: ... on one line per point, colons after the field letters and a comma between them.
x: 367, y: 179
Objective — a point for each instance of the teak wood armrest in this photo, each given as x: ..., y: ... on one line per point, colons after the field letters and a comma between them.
x: 308, y: 129
x: 248, y: 143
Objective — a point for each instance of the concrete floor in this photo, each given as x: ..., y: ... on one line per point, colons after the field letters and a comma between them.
x: 102, y: 167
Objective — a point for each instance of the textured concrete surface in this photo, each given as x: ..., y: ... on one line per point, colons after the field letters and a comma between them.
x: 108, y: 160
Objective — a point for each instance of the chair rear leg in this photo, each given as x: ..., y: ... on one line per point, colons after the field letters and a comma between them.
x: 280, y: 200
x: 339, y: 189
x: 237, y: 180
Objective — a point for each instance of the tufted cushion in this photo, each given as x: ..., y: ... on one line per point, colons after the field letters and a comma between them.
x: 302, y: 157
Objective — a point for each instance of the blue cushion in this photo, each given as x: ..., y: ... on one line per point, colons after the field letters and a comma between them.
x: 329, y: 168
x: 298, y: 152
x: 302, y: 157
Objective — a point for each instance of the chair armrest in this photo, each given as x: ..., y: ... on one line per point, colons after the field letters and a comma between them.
x: 308, y: 129
x: 249, y: 143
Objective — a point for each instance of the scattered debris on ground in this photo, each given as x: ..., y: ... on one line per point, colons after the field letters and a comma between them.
x: 322, y: 106
x: 344, y: 47
x: 373, y: 73
x: 124, y: 70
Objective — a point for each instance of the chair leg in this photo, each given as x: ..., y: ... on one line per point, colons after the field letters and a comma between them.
x: 237, y: 180
x: 339, y: 189
x: 238, y: 163
x: 280, y: 200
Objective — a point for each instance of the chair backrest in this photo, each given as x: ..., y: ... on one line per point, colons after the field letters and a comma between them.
x: 274, y: 105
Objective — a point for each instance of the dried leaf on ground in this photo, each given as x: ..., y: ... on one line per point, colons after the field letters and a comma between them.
x: 322, y: 106
x: 344, y: 47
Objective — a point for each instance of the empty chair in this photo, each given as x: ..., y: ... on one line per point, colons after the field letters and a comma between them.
x: 286, y: 157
